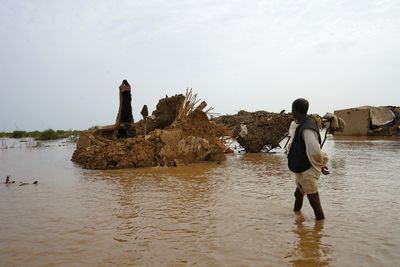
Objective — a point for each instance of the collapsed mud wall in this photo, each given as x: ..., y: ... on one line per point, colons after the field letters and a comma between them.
x: 164, y: 115
x: 390, y: 129
x: 176, y: 133
x: 255, y: 131
x: 370, y: 121
x: 167, y: 110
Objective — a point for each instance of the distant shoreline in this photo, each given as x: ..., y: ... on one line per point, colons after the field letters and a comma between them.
x: 48, y: 134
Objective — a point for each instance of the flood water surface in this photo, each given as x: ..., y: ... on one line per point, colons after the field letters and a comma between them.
x: 238, y: 213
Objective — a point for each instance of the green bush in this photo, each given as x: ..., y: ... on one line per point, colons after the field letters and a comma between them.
x: 49, y: 134
x: 18, y: 134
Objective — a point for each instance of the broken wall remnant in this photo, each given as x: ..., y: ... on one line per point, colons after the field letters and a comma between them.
x: 357, y: 122
x: 255, y: 131
x: 179, y: 131
x: 370, y: 121
x: 167, y: 110
x: 380, y: 116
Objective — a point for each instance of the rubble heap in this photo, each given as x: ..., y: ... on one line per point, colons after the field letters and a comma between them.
x: 370, y: 121
x: 178, y: 132
x: 391, y: 128
x: 256, y: 131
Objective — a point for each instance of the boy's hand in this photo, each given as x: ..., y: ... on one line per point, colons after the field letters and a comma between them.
x: 325, y: 171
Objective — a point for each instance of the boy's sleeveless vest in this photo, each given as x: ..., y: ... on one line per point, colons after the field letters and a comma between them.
x: 297, y: 158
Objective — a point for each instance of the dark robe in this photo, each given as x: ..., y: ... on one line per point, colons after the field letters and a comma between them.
x: 126, y: 107
x: 125, y: 114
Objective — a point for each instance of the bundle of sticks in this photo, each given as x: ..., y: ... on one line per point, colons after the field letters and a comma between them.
x: 190, y: 104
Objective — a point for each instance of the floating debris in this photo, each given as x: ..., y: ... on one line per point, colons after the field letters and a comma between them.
x: 8, y: 181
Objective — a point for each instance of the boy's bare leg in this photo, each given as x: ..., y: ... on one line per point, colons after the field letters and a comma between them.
x: 316, y: 205
x: 298, y: 203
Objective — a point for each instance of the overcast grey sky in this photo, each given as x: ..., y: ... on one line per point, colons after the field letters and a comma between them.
x: 61, y: 62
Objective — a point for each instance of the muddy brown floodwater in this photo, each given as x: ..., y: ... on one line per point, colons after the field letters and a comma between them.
x: 237, y: 213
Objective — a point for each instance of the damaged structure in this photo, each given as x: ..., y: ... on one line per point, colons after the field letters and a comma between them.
x: 257, y: 131
x: 178, y: 132
x: 370, y: 121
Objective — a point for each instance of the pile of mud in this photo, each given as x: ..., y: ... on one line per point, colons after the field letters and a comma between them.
x: 256, y: 131
x: 176, y: 133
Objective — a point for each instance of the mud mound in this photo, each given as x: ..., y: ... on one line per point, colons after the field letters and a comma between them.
x: 122, y: 153
x: 166, y: 110
x: 177, y: 133
x: 164, y: 115
x: 161, y: 147
x: 257, y: 130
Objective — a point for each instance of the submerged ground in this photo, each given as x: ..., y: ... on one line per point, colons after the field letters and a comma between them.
x: 237, y: 213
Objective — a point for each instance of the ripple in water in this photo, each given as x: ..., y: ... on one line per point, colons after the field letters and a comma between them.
x: 236, y: 213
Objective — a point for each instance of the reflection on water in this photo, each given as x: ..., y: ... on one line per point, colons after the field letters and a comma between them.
x: 309, y: 249
x: 238, y: 213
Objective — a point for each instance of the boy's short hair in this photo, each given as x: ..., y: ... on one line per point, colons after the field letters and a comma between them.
x: 300, y: 105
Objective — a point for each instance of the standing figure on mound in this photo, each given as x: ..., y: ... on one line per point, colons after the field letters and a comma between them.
x: 124, y: 123
x: 306, y: 159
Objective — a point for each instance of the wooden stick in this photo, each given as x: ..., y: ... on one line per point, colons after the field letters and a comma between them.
x: 145, y: 127
x: 272, y: 147
x: 287, y: 142
x: 326, y: 136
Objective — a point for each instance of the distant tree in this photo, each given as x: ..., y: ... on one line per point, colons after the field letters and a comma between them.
x: 49, y: 134
x: 34, y: 134
x: 18, y: 134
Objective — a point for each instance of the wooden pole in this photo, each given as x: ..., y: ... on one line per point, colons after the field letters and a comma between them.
x: 325, y: 137
x: 145, y: 114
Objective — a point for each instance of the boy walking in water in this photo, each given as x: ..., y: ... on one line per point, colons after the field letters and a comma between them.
x: 306, y: 159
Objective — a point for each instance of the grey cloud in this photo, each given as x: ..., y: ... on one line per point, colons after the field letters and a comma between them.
x: 62, y: 61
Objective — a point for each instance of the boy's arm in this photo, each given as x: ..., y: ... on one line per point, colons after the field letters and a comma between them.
x: 317, y: 158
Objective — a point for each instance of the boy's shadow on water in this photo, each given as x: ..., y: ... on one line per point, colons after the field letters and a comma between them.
x: 309, y: 250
